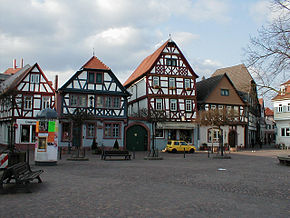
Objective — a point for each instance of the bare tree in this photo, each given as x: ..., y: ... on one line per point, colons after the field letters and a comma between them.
x: 268, y: 54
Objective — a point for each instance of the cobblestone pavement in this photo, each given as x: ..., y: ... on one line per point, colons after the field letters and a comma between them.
x: 253, y: 185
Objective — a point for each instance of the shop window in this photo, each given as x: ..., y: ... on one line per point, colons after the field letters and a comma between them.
x: 159, y: 133
x: 25, y: 133
x: 66, y: 132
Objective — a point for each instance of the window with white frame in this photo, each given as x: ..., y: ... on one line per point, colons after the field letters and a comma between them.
x: 285, y: 132
x: 214, y: 135
x: 158, y: 105
x: 34, y: 78
x: 173, y: 104
x: 27, y: 102
x: 90, y: 130
x: 116, y: 130
x: 280, y: 108
x: 112, y: 130
x: 156, y: 82
x: 206, y: 107
x: 45, y: 102
x: 220, y: 107
x: 172, y: 82
x: 187, y: 84
x: 188, y: 105
x: 213, y: 106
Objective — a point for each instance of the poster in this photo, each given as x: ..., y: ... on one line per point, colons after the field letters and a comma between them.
x: 51, y: 126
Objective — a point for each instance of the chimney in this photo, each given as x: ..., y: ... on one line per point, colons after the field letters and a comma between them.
x: 14, y: 64
x: 56, y: 82
x: 22, y: 63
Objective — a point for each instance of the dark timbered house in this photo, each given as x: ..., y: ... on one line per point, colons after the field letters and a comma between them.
x: 22, y: 96
x: 92, y: 104
x: 163, y: 98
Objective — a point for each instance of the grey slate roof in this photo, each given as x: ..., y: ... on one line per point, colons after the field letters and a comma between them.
x: 205, y: 87
x: 3, y: 77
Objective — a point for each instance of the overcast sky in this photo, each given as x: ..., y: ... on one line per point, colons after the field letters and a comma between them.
x: 60, y: 35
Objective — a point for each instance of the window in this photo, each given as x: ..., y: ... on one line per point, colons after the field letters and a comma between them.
x: 25, y: 133
x: 188, y: 105
x: 91, y: 100
x: 213, y: 106
x: 34, y: 78
x: 285, y: 131
x: 288, y: 107
x: 156, y: 81
x: 27, y: 102
x: 171, y: 62
x: 173, y: 104
x: 220, y: 107
x: 158, y: 103
x: 45, y: 102
x: 66, y: 132
x: 225, y: 92
x: 99, y: 78
x: 99, y: 102
x: 78, y: 100
x: 91, y: 77
x: 108, y: 102
x: 116, y: 102
x: 214, y: 134
x: 159, y: 133
x: 187, y: 84
x: 94, y: 77
x: 280, y: 108
x: 116, y: 130
x: 112, y: 130
x: 90, y: 130
x: 171, y: 82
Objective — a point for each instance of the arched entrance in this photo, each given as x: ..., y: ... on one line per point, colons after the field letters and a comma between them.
x: 136, y: 138
x: 232, y: 138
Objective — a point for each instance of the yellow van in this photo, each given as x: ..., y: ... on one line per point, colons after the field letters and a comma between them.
x: 179, y: 145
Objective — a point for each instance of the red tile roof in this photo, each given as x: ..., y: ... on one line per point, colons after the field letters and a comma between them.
x: 95, y: 63
x: 286, y: 83
x: 269, y: 112
x: 286, y: 94
x: 145, y: 65
x: 11, y: 71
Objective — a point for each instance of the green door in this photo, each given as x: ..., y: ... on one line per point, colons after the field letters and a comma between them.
x: 136, y: 138
x: 77, y: 135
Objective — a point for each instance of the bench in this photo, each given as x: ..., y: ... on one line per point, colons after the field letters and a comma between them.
x: 21, y: 173
x: 284, y: 159
x: 116, y: 153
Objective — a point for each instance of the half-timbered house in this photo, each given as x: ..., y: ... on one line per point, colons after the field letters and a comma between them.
x: 22, y: 96
x: 163, y: 98
x: 219, y: 93
x: 92, y: 105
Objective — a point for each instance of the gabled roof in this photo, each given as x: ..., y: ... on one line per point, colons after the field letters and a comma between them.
x: 239, y: 75
x: 11, y: 71
x: 286, y: 94
x: 286, y: 83
x: 269, y: 112
x: 95, y: 63
x: 205, y: 87
x: 148, y: 63
x: 14, y: 79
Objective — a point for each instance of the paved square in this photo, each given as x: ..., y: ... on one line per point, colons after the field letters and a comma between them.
x: 253, y: 185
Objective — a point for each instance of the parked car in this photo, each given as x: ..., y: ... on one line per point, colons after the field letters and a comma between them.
x: 179, y: 145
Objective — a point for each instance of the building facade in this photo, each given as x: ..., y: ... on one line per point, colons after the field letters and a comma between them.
x: 247, y: 88
x: 92, y: 105
x: 282, y: 114
x: 22, y: 96
x: 162, y: 105
x: 218, y: 93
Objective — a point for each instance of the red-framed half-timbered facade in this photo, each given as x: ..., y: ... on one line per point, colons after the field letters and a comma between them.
x: 22, y: 96
x: 163, y: 83
x: 92, y: 104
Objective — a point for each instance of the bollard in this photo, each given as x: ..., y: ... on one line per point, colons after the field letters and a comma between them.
x: 184, y: 153
x: 133, y: 152
x: 60, y: 152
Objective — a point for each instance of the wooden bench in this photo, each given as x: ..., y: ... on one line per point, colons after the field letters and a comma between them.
x: 21, y: 174
x: 116, y: 153
x: 284, y: 159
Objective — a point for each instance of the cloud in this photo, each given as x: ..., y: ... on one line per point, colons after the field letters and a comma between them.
x: 205, y: 67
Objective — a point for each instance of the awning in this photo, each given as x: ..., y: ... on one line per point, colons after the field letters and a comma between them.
x: 176, y: 125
